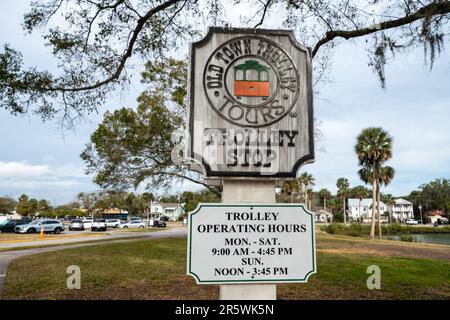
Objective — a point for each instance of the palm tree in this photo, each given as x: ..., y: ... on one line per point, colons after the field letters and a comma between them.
x: 389, y: 201
x: 325, y: 195
x: 366, y: 174
x: 360, y: 193
x: 306, y: 180
x: 373, y: 147
x: 343, y: 189
x: 310, y: 194
x: 289, y: 188
x: 333, y: 204
x: 386, y: 176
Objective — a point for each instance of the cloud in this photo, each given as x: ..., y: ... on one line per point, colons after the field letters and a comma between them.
x: 413, y: 109
x: 21, y: 169
x: 57, y: 183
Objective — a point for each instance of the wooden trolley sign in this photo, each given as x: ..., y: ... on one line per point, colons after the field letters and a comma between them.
x: 250, y: 104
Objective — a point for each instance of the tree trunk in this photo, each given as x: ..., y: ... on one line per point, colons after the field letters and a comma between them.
x: 345, y: 218
x: 359, y: 209
x: 379, y: 210
x: 374, y: 196
x: 389, y: 212
x: 325, y: 204
x: 305, y: 195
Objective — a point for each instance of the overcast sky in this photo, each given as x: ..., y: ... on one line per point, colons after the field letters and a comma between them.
x: 39, y: 160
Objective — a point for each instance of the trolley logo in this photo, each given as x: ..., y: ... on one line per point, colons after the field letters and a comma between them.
x: 251, y: 81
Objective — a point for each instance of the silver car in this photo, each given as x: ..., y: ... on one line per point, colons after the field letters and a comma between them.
x: 133, y: 224
x: 112, y: 223
x: 49, y: 225
x: 76, y: 224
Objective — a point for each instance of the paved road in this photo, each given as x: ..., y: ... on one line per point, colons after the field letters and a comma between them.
x: 7, y: 256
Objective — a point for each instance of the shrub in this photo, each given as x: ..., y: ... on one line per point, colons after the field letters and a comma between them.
x: 362, y: 230
x: 357, y: 230
x: 334, y: 228
x: 408, y: 238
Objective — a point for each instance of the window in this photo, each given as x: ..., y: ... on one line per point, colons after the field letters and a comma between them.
x: 239, y: 75
x: 251, y: 75
x: 263, y: 76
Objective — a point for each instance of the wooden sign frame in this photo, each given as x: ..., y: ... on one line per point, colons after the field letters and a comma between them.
x: 297, y: 115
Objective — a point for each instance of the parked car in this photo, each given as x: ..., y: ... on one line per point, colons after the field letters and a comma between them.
x: 411, y: 222
x: 133, y: 224
x: 99, y: 225
x: 76, y: 224
x: 164, y: 218
x: 49, y: 225
x: 159, y: 224
x: 87, y: 223
x: 113, y: 223
x: 9, y: 225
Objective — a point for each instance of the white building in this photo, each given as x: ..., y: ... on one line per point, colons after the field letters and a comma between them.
x: 322, y: 216
x: 12, y: 215
x: 171, y: 210
x: 402, y: 210
x: 362, y: 210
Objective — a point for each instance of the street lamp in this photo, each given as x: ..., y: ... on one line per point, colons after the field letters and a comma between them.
x: 420, y: 209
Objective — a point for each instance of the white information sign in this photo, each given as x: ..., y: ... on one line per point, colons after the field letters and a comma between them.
x: 247, y: 243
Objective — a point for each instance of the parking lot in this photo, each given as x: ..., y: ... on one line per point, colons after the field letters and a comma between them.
x: 10, y: 237
x: 12, y: 240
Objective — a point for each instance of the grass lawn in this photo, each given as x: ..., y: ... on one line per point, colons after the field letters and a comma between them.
x: 155, y: 269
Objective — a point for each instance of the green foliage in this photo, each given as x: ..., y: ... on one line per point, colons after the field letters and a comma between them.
x: 335, y: 228
x: 135, y: 204
x: 407, y: 238
x: 434, y: 195
x: 343, y: 187
x: 93, y: 41
x: 289, y: 190
x: 134, y: 147
x: 373, y: 147
x: 338, y: 216
x: 7, y: 205
x: 363, y: 230
x: 27, y: 206
x: 62, y: 212
x: 359, y: 192
x: 91, y: 46
x: 192, y: 199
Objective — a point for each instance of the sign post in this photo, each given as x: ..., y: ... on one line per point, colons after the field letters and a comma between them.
x: 250, y: 126
x: 248, y: 192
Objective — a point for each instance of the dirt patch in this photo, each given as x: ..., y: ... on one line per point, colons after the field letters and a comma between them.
x: 386, y: 248
x: 344, y: 251
x: 7, y: 238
